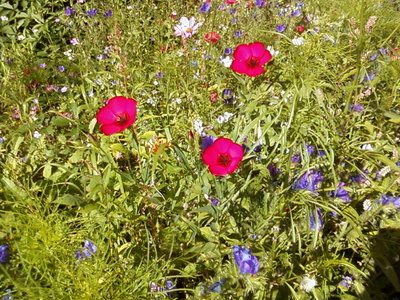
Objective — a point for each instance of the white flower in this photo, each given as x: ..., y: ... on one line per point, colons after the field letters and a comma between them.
x: 224, y: 118
x: 21, y: 37
x: 226, y: 61
x: 64, y: 89
x: 308, y: 283
x: 220, y: 119
x: 367, y: 147
x: 34, y: 30
x: 198, y: 126
x: 74, y: 41
x: 367, y: 205
x: 36, y: 134
x: 3, y: 18
x: 187, y: 27
x: 35, y: 101
x: 298, y: 41
x: 272, y: 51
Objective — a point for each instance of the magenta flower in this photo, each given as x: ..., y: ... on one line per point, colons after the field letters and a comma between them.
x: 117, y: 115
x: 223, y: 156
x: 249, y: 59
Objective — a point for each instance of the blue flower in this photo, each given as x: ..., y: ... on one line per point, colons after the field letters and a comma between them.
x: 280, y: 28
x: 89, y: 248
x: 205, y: 7
x: 8, y: 295
x: 69, y: 11
x: 260, y: 3
x: 92, y: 12
x: 359, y: 178
x: 373, y: 57
x: 309, y: 181
x: 346, y: 282
x: 369, y: 77
x: 169, y: 286
x: 4, y: 255
x: 61, y: 68
x: 238, y: 33
x: 385, y: 200
x: 341, y: 193
x: 108, y: 13
x: 247, y: 263
x: 207, y: 141
x: 316, y: 224
x: 296, y: 13
x: 310, y: 149
x: 357, y: 107
x: 216, y: 287
x: 228, y: 51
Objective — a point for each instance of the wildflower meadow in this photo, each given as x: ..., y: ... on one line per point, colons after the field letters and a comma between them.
x: 209, y: 149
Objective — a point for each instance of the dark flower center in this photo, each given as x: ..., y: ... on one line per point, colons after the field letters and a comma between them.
x: 224, y: 159
x: 252, y: 62
x: 122, y: 119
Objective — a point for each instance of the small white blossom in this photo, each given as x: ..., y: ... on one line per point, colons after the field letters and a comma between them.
x: 4, y: 18
x: 36, y: 134
x: 198, y: 126
x: 187, y: 27
x: 367, y: 205
x: 384, y: 171
x: 272, y: 51
x: 74, y: 41
x: 367, y: 147
x: 220, y: 119
x: 64, y: 89
x: 226, y: 61
x: 298, y: 41
x: 21, y: 37
x: 308, y: 283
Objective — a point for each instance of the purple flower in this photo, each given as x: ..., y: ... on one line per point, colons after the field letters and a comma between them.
x: 316, y: 224
x: 341, y: 193
x: 369, y: 77
x: 309, y: 181
x: 89, y: 248
x: 373, y: 57
x: 234, y: 21
x: 4, y: 255
x: 228, y: 51
x: 238, y: 33
x: 280, y: 28
x: 160, y: 75
x: 346, y: 282
x: 213, y: 201
x: 92, y: 12
x: 108, y: 13
x: 61, y: 68
x: 357, y: 107
x: 385, y: 200
x: 310, y: 149
x: 216, y: 287
x: 8, y: 295
x: 296, y: 158
x: 359, y: 178
x: 207, y: 141
x: 69, y: 11
x: 383, y: 51
x: 296, y: 13
x: 247, y: 263
x: 273, y: 170
x: 260, y: 3
x: 205, y: 7
x: 232, y: 11
x: 169, y: 286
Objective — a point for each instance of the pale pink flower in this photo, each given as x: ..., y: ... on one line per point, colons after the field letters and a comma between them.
x: 187, y: 27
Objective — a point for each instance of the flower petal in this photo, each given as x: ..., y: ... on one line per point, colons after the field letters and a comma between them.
x: 106, y: 116
x: 109, y: 129
x: 218, y: 170
x: 257, y: 49
x: 242, y: 53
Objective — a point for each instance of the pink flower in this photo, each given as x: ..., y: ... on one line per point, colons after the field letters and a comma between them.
x: 249, y: 59
x: 117, y: 115
x: 223, y: 156
x: 187, y: 27
x: 230, y: 1
x: 211, y: 37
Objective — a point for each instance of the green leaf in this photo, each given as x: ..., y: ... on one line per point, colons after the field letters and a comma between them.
x: 68, y: 199
x: 47, y: 171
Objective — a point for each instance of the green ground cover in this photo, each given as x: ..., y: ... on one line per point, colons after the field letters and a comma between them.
x: 304, y: 203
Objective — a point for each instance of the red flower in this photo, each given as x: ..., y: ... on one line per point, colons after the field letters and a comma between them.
x: 211, y: 37
x: 300, y: 29
x: 230, y: 1
x: 223, y: 156
x: 117, y: 115
x: 249, y: 59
